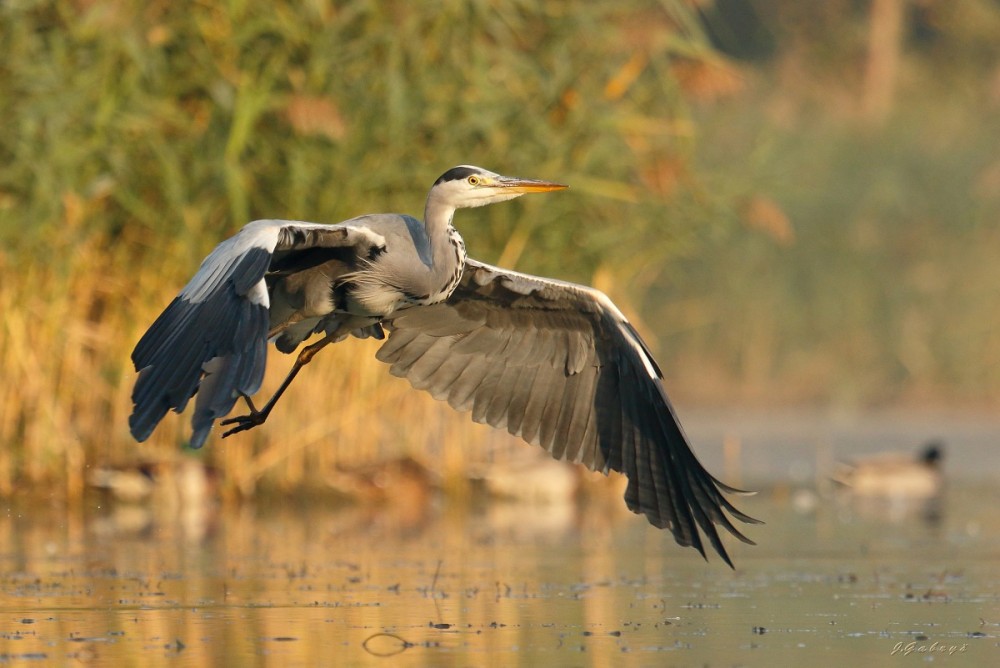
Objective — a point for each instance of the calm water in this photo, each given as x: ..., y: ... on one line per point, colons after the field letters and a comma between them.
x: 829, y: 584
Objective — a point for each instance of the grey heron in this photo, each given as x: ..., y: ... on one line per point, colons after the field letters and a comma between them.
x: 550, y: 361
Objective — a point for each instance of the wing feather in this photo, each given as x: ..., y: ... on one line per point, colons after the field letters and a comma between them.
x: 463, y: 393
x: 554, y: 386
x: 485, y: 391
x: 504, y: 393
x: 537, y: 397
x: 563, y: 446
x: 430, y: 360
x: 518, y: 406
x: 575, y: 422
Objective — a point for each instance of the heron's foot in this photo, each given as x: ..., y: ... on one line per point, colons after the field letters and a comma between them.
x: 254, y: 418
x: 243, y: 423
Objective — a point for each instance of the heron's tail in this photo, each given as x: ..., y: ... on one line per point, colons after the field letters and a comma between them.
x: 219, y: 389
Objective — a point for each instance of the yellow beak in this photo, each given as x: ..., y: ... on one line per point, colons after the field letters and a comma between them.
x: 527, y: 185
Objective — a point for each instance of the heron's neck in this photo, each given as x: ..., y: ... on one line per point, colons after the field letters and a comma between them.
x: 437, y: 222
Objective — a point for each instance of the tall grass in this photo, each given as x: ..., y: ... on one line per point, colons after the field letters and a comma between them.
x: 138, y: 134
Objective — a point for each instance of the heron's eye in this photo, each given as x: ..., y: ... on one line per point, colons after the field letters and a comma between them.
x: 474, y: 180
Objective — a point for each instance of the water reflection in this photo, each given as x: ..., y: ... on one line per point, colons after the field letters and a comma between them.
x: 506, y: 584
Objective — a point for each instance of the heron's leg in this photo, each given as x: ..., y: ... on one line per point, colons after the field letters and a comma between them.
x: 257, y: 417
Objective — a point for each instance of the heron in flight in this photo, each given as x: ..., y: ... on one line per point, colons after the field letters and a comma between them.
x: 552, y: 362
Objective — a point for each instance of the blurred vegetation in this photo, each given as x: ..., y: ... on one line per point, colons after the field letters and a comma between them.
x: 186, y: 121
x: 866, y: 174
x: 800, y: 198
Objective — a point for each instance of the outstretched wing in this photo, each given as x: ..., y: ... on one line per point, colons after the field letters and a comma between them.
x: 559, y: 365
x: 212, y: 339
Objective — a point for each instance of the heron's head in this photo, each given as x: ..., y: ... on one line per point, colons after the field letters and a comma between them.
x: 467, y: 186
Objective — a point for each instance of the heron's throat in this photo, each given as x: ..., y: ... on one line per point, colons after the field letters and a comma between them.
x: 438, y: 218
x: 447, y: 249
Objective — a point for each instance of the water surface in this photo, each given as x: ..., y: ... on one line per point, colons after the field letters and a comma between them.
x: 832, y: 583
